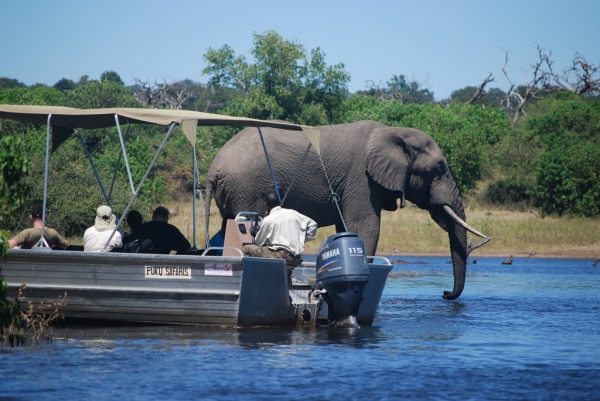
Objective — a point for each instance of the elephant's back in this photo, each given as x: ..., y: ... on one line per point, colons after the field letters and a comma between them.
x: 247, y: 143
x: 240, y: 177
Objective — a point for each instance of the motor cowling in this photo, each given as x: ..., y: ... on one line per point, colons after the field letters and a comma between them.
x: 343, y: 272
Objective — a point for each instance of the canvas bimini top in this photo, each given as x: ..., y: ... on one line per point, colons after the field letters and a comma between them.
x: 62, y: 122
x: 104, y: 118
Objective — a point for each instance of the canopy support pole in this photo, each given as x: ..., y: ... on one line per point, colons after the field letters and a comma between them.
x: 136, y: 192
x: 262, y: 139
x: 114, y: 178
x: 42, y: 242
x: 89, y: 156
x: 194, y: 248
x: 125, y: 153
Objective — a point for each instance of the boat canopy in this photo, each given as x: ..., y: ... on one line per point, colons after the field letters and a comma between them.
x: 64, y: 121
x: 104, y: 118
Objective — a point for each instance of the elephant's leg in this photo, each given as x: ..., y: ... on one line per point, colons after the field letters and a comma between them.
x: 370, y: 236
x: 367, y: 228
x: 362, y: 213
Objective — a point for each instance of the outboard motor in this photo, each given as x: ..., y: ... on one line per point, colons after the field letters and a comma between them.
x: 342, y: 271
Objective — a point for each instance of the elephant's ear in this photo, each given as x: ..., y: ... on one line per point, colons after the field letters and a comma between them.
x: 387, y: 160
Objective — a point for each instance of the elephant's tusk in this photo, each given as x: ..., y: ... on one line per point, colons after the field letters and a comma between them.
x: 460, y: 221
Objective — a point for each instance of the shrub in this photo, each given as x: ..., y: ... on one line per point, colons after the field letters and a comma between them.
x: 508, y: 193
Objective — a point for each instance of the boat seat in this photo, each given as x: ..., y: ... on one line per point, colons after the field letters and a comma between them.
x: 77, y: 248
x: 237, y: 234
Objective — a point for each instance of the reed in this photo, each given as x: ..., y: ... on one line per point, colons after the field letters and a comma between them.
x: 37, y: 321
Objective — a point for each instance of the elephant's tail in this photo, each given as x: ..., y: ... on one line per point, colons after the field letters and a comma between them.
x: 207, y: 201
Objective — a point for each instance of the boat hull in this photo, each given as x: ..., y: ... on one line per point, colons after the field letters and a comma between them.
x: 170, y: 289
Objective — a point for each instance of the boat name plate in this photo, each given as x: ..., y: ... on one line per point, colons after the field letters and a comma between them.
x: 218, y: 269
x: 172, y: 272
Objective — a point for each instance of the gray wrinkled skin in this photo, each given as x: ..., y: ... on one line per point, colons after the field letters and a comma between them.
x: 370, y: 166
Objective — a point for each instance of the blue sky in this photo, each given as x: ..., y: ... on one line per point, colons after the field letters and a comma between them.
x: 445, y: 44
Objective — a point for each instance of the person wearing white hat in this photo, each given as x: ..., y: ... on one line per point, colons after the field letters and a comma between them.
x: 95, y: 237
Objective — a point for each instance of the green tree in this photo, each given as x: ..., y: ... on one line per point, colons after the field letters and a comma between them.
x: 491, y: 98
x: 39, y: 95
x: 8, y: 83
x: 568, y: 169
x: 13, y: 165
x: 65, y: 85
x: 568, y: 181
x: 111, y: 76
x: 284, y: 82
x: 104, y: 94
x: 400, y: 90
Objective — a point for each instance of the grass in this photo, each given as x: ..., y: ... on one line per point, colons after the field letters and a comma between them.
x: 411, y: 231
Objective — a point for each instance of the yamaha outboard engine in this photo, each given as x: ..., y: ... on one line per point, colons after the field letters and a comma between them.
x: 342, y: 271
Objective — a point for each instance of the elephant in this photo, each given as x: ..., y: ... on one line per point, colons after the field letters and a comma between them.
x: 370, y: 167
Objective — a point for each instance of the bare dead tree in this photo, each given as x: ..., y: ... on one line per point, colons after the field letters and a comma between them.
x: 514, y: 102
x: 158, y: 95
x: 581, y: 77
x: 480, y: 92
x: 400, y: 90
x: 378, y: 90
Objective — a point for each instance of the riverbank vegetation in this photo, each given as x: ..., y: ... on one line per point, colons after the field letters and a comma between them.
x: 13, y: 166
x: 526, y: 158
x: 411, y: 231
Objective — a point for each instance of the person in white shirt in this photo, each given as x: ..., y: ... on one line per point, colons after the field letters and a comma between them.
x: 282, y: 234
x: 96, y: 236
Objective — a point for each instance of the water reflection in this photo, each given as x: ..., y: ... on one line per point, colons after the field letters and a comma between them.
x: 261, y: 338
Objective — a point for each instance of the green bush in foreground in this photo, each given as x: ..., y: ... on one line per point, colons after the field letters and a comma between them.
x: 13, y: 165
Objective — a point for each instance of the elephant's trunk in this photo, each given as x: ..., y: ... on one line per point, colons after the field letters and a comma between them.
x: 458, y: 248
x: 452, y: 218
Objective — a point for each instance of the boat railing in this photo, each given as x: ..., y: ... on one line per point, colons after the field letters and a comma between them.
x: 383, y: 258
x: 385, y: 261
x: 221, y: 248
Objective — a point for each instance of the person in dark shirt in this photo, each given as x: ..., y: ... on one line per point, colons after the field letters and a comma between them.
x: 134, y: 219
x: 219, y: 238
x: 164, y: 236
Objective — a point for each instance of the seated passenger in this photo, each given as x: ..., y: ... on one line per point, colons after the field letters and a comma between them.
x: 282, y: 233
x: 134, y: 219
x: 219, y: 238
x: 164, y: 236
x: 27, y: 238
x: 96, y: 237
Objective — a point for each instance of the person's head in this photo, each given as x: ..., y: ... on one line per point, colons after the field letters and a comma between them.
x: 36, y: 212
x: 105, y: 218
x: 161, y: 213
x: 227, y: 216
x: 104, y: 212
x: 272, y: 200
x: 134, y: 219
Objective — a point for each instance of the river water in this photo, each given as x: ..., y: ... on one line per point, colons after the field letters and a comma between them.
x: 528, y: 331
